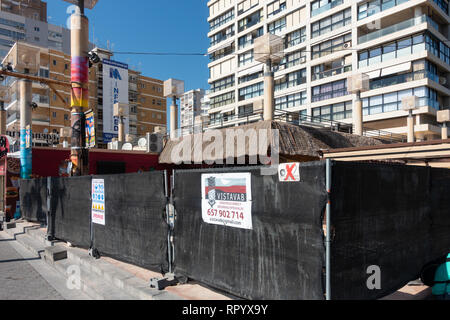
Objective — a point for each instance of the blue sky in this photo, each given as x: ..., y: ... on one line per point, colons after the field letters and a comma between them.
x: 150, y: 26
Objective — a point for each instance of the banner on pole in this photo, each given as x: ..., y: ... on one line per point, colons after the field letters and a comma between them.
x: 98, y: 201
x: 227, y: 199
x: 90, y: 129
x: 115, y: 90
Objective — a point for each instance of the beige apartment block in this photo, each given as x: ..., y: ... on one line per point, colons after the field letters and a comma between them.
x: 401, y: 45
x: 146, y: 101
x: 33, y: 9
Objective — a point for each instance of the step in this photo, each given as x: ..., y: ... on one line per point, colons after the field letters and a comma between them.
x: 121, y: 279
x: 30, y: 244
x: 91, y: 284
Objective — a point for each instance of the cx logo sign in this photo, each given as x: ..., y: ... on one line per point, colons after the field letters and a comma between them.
x: 289, y: 172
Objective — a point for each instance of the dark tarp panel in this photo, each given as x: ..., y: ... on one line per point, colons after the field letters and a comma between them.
x: 135, y: 229
x: 71, y: 210
x: 281, y: 258
x: 382, y: 215
x: 33, y: 200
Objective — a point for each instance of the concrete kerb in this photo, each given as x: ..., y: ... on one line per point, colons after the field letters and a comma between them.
x: 32, y: 236
x: 116, y: 276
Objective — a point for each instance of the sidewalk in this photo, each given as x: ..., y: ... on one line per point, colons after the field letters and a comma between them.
x: 107, y: 278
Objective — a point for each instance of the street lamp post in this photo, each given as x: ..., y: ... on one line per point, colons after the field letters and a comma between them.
x: 410, y: 104
x: 356, y: 84
x: 121, y: 110
x: 80, y: 83
x: 443, y: 117
x: 25, y: 60
x: 269, y: 49
x: 173, y: 89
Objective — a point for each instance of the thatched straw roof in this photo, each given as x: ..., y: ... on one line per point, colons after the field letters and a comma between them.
x: 294, y: 142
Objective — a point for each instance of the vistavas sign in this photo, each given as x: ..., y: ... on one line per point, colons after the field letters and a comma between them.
x: 227, y: 199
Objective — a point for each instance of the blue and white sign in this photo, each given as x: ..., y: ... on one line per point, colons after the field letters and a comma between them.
x: 115, y: 90
x: 98, y: 201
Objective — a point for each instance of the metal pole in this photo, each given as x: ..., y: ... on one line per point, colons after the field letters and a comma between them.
x: 80, y: 88
x: 173, y: 118
x: 26, y: 133
x: 410, y: 127
x: 121, y: 130
x: 358, y: 115
x: 444, y: 131
x: 268, y: 91
x: 2, y: 118
x: 328, y: 237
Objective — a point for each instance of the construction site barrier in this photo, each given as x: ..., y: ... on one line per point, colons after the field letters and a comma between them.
x: 282, y: 257
x: 135, y: 229
x: 388, y: 221
x: 70, y: 210
x: 33, y: 200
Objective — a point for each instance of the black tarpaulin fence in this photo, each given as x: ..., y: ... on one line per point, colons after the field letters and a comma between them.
x: 135, y: 230
x: 282, y: 257
x: 393, y: 217
x: 70, y: 210
x: 33, y: 199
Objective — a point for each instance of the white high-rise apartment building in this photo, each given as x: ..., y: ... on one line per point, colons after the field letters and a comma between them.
x: 401, y: 45
x: 190, y: 108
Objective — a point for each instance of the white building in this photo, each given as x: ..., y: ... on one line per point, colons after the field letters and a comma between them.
x: 190, y: 108
x: 402, y: 45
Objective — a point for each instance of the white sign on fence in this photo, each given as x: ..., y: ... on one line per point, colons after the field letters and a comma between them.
x: 227, y: 199
x: 289, y: 172
x: 98, y: 201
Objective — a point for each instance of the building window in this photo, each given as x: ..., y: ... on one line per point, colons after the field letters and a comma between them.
x: 330, y: 46
x: 66, y: 117
x: 333, y: 112
x: 275, y: 7
x: 222, y: 84
x: 245, y: 110
x: 250, y: 77
x: 246, y: 5
x: 246, y: 58
x: 252, y: 91
x: 320, y: 6
x: 222, y: 35
x: 222, y: 100
x: 331, y: 23
x: 54, y: 62
x: 330, y: 90
x: 54, y: 114
x: 221, y: 20
x: 393, y: 101
x: 290, y: 101
x: 250, y: 21
x: 249, y: 39
x: 292, y: 59
x: 222, y: 53
x: 278, y: 26
x: 292, y: 79
x: 403, y: 47
x: 296, y: 37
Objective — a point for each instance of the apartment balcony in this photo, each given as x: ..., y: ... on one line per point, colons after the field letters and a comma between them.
x: 397, y: 27
x: 332, y: 72
x: 403, y: 78
x: 329, y: 6
x: 231, y: 120
x: 36, y: 119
